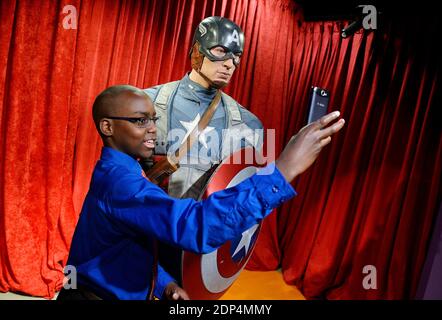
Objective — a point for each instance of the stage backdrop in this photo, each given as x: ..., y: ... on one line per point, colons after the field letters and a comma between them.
x: 369, y: 201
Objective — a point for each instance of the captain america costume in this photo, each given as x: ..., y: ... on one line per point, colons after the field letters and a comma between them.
x: 186, y: 105
x: 231, y: 128
x: 180, y: 106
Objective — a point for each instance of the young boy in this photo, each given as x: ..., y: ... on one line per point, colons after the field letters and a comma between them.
x: 123, y: 213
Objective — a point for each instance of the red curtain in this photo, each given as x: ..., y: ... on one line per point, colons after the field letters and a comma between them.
x: 370, y: 199
x: 49, y: 78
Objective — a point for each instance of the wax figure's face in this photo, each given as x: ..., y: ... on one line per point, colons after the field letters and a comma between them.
x: 219, y: 72
x: 137, y: 138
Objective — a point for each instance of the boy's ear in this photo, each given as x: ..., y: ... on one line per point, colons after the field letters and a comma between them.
x: 106, y: 127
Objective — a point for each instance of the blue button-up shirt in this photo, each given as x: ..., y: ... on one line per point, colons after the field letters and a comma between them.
x: 123, y: 212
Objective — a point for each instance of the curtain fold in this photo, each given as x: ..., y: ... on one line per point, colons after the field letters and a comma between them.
x: 370, y: 199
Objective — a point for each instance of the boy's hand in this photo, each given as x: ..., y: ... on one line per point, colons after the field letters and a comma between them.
x: 174, y: 292
x: 303, y: 148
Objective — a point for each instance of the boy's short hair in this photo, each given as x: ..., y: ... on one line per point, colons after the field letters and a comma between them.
x: 108, y: 100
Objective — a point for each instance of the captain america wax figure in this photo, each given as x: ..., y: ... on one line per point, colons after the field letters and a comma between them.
x: 216, y: 50
x: 123, y: 212
x: 215, y: 53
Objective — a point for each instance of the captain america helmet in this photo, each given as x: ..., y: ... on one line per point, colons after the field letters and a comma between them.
x: 215, y: 32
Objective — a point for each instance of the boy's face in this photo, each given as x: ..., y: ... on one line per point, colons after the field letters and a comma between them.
x: 134, y: 138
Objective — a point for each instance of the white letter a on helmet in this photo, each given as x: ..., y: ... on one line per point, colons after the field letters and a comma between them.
x: 235, y: 37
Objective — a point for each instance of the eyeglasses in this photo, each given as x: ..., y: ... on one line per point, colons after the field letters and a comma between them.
x: 142, y: 122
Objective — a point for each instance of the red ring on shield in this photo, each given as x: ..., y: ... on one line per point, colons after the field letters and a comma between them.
x: 209, y: 276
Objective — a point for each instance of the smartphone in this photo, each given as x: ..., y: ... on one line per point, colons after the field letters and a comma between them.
x: 318, y: 104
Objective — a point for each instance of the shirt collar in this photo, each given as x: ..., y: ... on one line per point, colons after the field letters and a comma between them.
x: 120, y: 158
x: 196, y: 86
x: 194, y: 91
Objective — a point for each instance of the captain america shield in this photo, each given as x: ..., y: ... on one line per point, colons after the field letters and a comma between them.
x: 208, y: 276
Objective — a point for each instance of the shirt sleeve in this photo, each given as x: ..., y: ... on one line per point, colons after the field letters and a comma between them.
x: 196, y: 226
x: 163, y: 279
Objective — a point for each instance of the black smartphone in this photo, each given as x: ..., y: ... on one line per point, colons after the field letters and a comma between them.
x: 318, y: 104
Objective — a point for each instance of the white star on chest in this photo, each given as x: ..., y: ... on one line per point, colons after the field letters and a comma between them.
x: 190, y: 125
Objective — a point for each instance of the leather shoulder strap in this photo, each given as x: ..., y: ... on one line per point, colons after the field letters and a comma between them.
x: 232, y: 109
x: 164, y: 94
x: 161, y: 103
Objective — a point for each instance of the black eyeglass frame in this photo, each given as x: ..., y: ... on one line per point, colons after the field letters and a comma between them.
x: 134, y: 120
